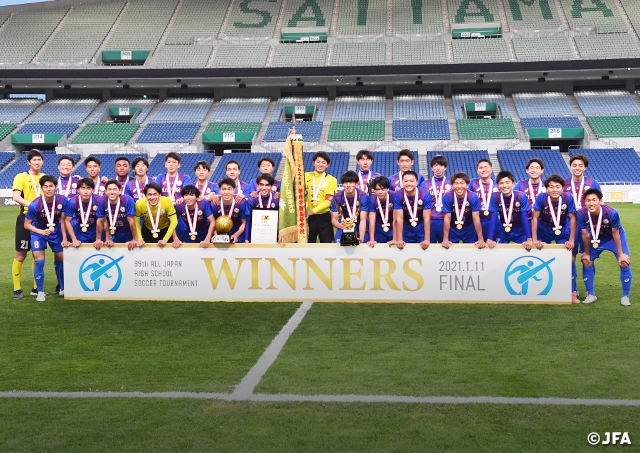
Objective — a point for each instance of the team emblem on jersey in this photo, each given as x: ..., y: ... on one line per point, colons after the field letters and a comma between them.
x: 179, y: 183
x: 468, y: 204
x: 95, y: 208
x: 74, y: 186
x: 59, y: 205
x: 101, y: 188
x: 236, y: 210
x: 543, y: 190
x: 605, y: 221
x: 517, y: 204
x: 586, y: 187
x: 122, y: 209
x: 420, y: 202
x: 273, y: 205
x: 495, y: 190
x: 199, y: 212
x: 564, y: 206
x: 208, y: 190
x: 448, y: 186
x: 161, y: 211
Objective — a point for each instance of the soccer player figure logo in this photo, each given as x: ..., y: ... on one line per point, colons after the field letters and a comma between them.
x: 412, y: 213
x: 601, y: 230
x: 461, y: 209
x: 437, y: 186
x: 509, y: 213
x: 349, y: 208
x: 43, y: 221
x: 381, y: 204
x: 172, y: 182
x: 195, y: 219
x: 554, y: 219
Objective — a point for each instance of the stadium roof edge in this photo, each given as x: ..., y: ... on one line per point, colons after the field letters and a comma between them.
x: 39, y: 6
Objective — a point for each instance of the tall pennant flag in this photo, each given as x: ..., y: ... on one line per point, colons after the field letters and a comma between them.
x: 292, y: 222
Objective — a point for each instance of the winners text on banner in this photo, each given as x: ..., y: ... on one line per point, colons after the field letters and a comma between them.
x: 300, y: 272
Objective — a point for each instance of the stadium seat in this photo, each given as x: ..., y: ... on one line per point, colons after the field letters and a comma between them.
x: 187, y: 163
x: 515, y: 160
x: 612, y: 166
x: 106, y: 133
x: 486, y: 129
x: 460, y: 161
x: 16, y: 110
x: 248, y: 165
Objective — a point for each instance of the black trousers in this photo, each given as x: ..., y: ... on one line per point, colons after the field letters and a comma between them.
x: 320, y: 226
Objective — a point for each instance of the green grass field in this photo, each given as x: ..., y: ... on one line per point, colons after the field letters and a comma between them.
x: 536, y: 351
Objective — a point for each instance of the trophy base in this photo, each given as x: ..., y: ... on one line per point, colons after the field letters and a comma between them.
x: 349, y: 238
x: 221, y: 239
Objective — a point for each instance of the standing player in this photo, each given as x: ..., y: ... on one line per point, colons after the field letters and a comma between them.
x: 195, y: 219
x: 320, y: 188
x: 463, y: 207
x: 266, y: 165
x: 92, y: 165
x: 484, y: 186
x: 229, y: 205
x: 405, y: 162
x: 437, y: 186
x: 85, y: 209
x: 26, y: 188
x: 365, y: 175
x: 534, y: 185
x: 351, y: 206
x: 158, y: 215
x: 67, y: 184
x: 43, y: 221
x: 233, y: 172
x: 412, y: 213
x: 202, y: 170
x: 381, y: 204
x: 118, y: 220
x: 123, y: 169
x: 509, y: 214
x: 601, y: 230
x: 172, y: 182
x: 135, y: 187
x: 265, y: 198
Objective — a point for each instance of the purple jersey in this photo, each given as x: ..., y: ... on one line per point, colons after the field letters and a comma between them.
x: 472, y: 205
x: 545, y: 220
x: 202, y: 222
x: 127, y: 209
x: 577, y: 189
x: 434, y: 186
x: 72, y: 210
x: 260, y: 202
x: 240, y: 212
x: 274, y: 188
x: 475, y: 186
x: 364, y: 180
x: 373, y: 207
x: 135, y: 189
x: 610, y: 220
x: 68, y: 187
x: 532, y: 193
x: 425, y: 202
x: 171, y: 187
x: 340, y: 201
x: 396, y: 182
x: 36, y: 212
x: 520, y: 204
x: 208, y: 188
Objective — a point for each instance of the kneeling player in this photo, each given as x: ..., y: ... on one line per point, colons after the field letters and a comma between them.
x: 509, y: 212
x: 601, y: 230
x: 228, y: 205
x: 350, y: 205
x: 465, y: 205
x: 412, y: 213
x: 43, y: 221
x: 118, y: 220
x: 195, y: 219
x: 381, y: 204
x: 159, y: 217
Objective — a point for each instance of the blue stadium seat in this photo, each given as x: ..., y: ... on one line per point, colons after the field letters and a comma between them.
x: 434, y: 129
x: 515, y: 161
x: 187, y: 162
x: 168, y: 133
x: 278, y: 131
x: 460, y: 161
x: 339, y: 163
x: 386, y: 162
x: 546, y: 123
x: 612, y: 166
x: 48, y: 128
x: 248, y: 165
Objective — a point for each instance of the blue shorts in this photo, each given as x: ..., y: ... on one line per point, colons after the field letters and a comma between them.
x: 485, y: 223
x: 547, y: 235
x: 39, y: 242
x: 516, y: 235
x: 413, y: 235
x: 382, y: 237
x: 121, y: 238
x: 610, y: 245
x: 86, y: 238
x: 437, y: 231
x: 186, y: 238
x: 467, y: 235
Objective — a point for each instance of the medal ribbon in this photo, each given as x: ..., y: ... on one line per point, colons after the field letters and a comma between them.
x: 202, y: 189
x: 154, y: 225
x: 49, y: 215
x: 172, y: 188
x: 507, y: 216
x: 85, y: 217
x: 486, y: 197
x: 36, y: 187
x: 414, y: 214
x: 384, y: 215
x: 595, y: 234
x: 460, y: 211
x: 66, y: 191
x: 363, y: 182
x: 352, y: 213
x: 577, y: 197
x: 192, y: 222
x: 138, y: 191
x: 113, y: 218
x: 532, y: 193
x: 233, y: 204
x: 268, y: 203
x: 437, y: 192
x: 316, y: 189
x: 555, y: 217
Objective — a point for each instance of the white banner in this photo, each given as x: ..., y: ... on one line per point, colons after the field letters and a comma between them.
x: 555, y: 132
x: 328, y: 272
x: 37, y: 138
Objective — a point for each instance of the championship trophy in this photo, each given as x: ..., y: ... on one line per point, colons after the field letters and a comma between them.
x: 349, y: 237
x: 224, y: 224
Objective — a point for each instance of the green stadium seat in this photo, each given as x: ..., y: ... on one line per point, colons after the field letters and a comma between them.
x: 233, y: 127
x: 615, y: 126
x: 486, y: 129
x: 106, y: 133
x: 356, y: 130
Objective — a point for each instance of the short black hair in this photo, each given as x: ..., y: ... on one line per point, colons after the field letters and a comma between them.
x: 65, y: 157
x: 227, y: 181
x: 34, y: 153
x: 153, y: 185
x: 321, y: 154
x: 505, y: 174
x: 581, y: 157
x: 535, y: 160
x: 381, y: 181
x: 410, y: 173
x: 267, y: 159
x: 173, y: 155
x: 232, y: 162
x: 139, y: 159
x: 364, y: 153
x: 112, y: 181
x: 86, y: 182
x: 439, y: 159
x: 349, y: 176
x: 47, y: 178
x: 90, y: 159
x: 554, y: 178
x: 266, y: 177
x: 484, y: 159
x: 460, y: 175
x: 407, y: 153
x: 125, y: 158
x: 591, y: 191
x: 203, y: 164
x: 190, y: 189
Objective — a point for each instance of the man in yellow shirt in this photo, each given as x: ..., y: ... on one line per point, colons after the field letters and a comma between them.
x: 321, y: 188
x: 159, y: 214
x: 26, y: 188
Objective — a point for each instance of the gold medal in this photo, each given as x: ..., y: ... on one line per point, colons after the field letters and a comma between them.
x: 414, y: 223
x: 458, y: 226
x: 385, y: 229
x: 155, y: 235
x: 193, y: 237
x: 84, y: 229
x: 507, y: 229
x: 112, y: 231
x: 52, y: 227
x: 486, y: 213
x: 558, y: 232
x: 596, y: 245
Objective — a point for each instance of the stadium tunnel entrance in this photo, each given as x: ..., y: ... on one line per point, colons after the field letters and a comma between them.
x: 562, y: 145
x: 221, y: 148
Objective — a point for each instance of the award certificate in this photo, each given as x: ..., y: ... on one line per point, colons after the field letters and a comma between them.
x: 264, y: 226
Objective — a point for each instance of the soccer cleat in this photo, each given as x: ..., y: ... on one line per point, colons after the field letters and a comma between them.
x: 41, y: 296
x: 18, y: 294
x: 574, y: 298
x: 34, y: 292
x: 591, y: 298
x: 57, y: 290
x: 625, y: 302
x: 61, y: 293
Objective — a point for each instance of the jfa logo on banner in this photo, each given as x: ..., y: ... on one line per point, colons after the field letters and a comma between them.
x: 100, y: 271
x: 529, y: 273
